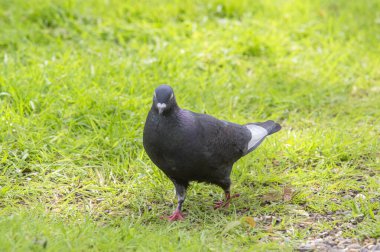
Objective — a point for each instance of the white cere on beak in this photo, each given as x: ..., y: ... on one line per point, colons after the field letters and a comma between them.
x: 161, y: 107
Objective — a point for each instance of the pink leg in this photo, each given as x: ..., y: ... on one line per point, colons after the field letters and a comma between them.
x: 181, y: 193
x: 225, y: 203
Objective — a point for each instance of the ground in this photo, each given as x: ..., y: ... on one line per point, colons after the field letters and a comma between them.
x: 76, y: 83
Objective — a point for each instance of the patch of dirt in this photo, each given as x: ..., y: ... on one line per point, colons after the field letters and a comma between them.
x: 333, y: 240
x: 340, y: 244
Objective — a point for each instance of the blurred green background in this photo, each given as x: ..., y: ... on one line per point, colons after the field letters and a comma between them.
x: 76, y: 83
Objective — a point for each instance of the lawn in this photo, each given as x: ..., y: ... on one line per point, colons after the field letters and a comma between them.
x: 76, y: 83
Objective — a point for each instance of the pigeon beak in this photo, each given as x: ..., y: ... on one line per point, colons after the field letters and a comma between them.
x: 161, y: 107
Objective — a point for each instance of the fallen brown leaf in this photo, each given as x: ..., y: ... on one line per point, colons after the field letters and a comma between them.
x: 287, y: 193
x: 250, y: 221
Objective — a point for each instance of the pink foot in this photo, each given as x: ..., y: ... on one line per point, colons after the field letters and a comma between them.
x: 225, y: 203
x: 221, y: 203
x: 176, y: 216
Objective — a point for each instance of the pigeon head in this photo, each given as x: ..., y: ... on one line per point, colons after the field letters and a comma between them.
x: 164, y: 99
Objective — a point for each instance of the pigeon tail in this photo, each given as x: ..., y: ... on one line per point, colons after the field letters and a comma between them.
x: 259, y: 131
x: 270, y: 126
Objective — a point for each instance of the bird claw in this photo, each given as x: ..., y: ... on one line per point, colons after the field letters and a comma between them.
x: 226, y: 203
x: 237, y: 195
x: 220, y: 204
x: 176, y: 216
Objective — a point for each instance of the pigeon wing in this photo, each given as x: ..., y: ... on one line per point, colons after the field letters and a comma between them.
x: 224, y: 142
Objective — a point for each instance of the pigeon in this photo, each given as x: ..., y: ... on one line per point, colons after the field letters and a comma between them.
x: 189, y: 146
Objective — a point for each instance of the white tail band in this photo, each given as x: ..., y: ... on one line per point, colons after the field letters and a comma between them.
x: 257, y: 133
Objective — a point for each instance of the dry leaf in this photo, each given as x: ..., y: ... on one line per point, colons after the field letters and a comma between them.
x: 288, y: 193
x: 276, y: 162
x: 250, y: 221
x: 272, y: 196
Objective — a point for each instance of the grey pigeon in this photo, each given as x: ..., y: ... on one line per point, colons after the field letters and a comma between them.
x: 188, y: 146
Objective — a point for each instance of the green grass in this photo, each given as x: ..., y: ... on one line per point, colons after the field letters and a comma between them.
x: 76, y: 83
